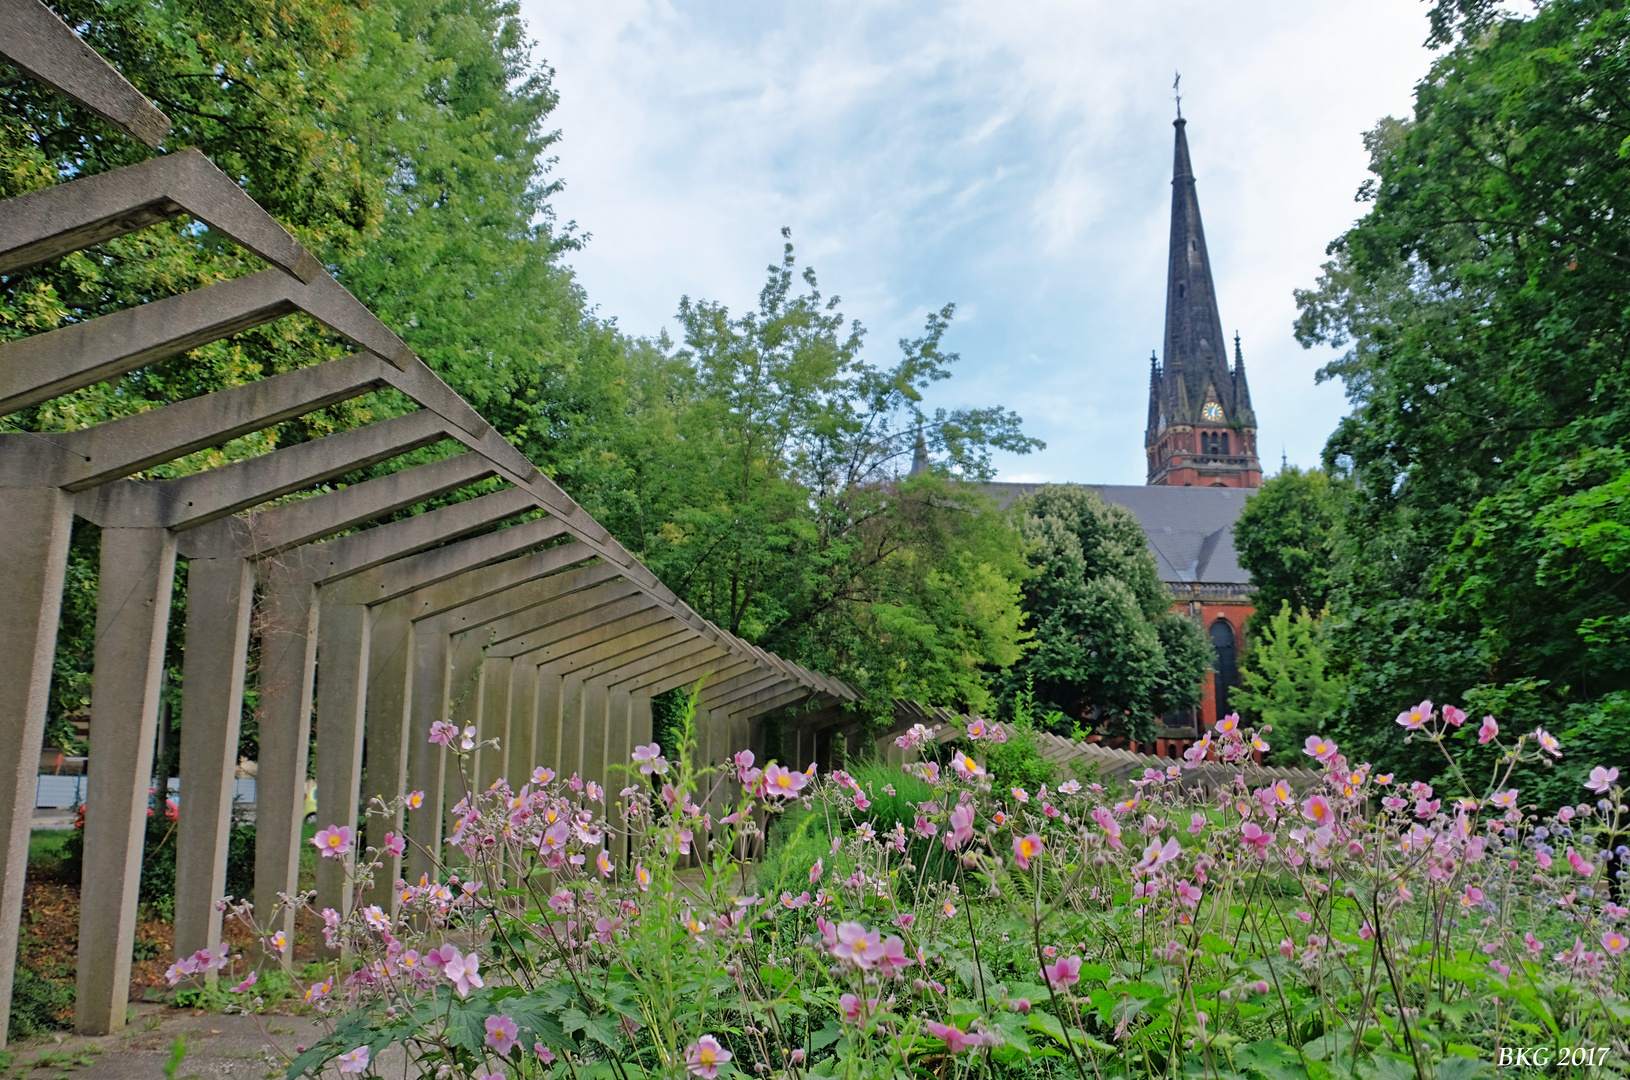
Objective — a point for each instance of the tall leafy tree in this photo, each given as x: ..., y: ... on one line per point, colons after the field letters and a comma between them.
x: 1107, y: 648
x: 1485, y: 298
x: 765, y: 459
x: 1286, y: 539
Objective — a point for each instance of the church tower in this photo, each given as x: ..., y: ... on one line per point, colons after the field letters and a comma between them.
x: 1202, y: 432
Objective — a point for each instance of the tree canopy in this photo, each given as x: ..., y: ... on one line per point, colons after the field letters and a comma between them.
x: 1107, y: 648
x: 1485, y: 301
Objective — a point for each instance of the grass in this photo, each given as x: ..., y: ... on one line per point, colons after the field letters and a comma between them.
x: 45, y: 847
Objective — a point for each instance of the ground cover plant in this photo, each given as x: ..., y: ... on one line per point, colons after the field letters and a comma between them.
x: 1350, y: 927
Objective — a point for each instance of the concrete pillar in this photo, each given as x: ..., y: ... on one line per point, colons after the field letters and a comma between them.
x: 220, y: 593
x: 288, y: 663
x: 619, y: 745
x: 429, y: 657
x: 549, y: 706
x: 132, y: 614
x: 342, y: 662
x: 596, y: 724
x: 571, y: 724
x: 36, y: 523
x: 464, y: 707
x: 385, y: 733
x: 494, y: 723
x: 523, y: 722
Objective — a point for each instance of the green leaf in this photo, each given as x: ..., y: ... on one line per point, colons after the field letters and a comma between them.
x: 1463, y: 1068
x: 829, y: 1034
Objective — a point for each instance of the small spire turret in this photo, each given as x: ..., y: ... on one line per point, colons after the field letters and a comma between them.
x: 919, y: 456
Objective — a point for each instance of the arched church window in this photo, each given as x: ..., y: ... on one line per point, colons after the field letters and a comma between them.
x: 1227, y: 667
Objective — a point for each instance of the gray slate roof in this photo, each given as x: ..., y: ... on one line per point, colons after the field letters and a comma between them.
x: 1190, y: 529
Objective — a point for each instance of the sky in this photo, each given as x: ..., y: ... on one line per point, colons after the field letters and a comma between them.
x: 1012, y: 158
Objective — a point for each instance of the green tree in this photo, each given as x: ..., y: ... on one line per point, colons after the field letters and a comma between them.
x: 1288, y: 683
x: 763, y: 482
x: 1285, y: 539
x: 1486, y: 301
x: 1107, y: 648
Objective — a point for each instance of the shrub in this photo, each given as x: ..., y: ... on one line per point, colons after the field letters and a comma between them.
x: 39, y: 1005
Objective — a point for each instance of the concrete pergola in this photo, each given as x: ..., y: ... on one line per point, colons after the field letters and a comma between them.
x: 513, y: 609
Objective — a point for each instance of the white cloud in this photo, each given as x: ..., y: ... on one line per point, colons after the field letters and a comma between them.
x: 1013, y: 158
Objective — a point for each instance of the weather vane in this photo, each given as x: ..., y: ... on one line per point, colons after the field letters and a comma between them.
x: 1176, y: 95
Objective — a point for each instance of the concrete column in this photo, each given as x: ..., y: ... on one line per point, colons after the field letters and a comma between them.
x: 596, y: 731
x: 523, y: 722
x: 464, y: 707
x: 342, y: 661
x: 220, y: 593
x: 132, y: 614
x: 495, y: 723
x: 571, y: 724
x: 385, y: 733
x: 619, y: 744
x: 430, y: 655
x: 288, y: 664
x: 36, y: 523
x: 548, y: 689
x: 642, y: 723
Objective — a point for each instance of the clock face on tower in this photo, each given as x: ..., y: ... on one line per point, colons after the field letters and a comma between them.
x: 1213, y: 411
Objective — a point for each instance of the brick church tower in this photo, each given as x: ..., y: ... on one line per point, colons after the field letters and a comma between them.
x: 1202, y: 432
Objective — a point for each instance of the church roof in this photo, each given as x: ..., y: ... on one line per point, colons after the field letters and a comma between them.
x: 1190, y: 529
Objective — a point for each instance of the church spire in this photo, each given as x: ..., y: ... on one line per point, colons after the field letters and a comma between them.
x: 1196, y: 356
x: 1201, y: 431
x: 919, y: 455
x: 1242, y: 391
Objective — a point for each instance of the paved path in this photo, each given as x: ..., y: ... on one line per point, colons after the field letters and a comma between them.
x: 218, y: 1048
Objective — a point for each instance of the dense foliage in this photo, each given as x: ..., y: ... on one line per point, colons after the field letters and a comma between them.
x: 1288, y: 683
x: 1285, y: 538
x: 1107, y: 651
x: 925, y: 925
x: 1486, y: 300
x: 756, y: 465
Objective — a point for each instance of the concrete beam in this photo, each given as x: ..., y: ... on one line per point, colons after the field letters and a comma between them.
x: 717, y: 694
x: 48, y: 365
x: 288, y: 526
x: 688, y: 672
x: 47, y: 224
x: 43, y: 46
x: 191, y: 501
x: 400, y: 557
x: 569, y: 617
x: 600, y: 582
x: 82, y: 459
x: 766, y: 702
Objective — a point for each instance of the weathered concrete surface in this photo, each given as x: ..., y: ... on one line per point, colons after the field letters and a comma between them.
x: 219, y: 594
x: 132, y: 614
x: 44, y: 46
x: 37, y: 524
x: 219, y: 1047
x: 50, y: 223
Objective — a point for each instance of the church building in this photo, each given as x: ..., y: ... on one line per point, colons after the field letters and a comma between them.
x: 1202, y: 461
